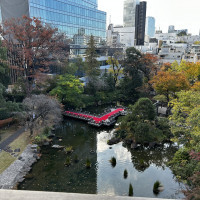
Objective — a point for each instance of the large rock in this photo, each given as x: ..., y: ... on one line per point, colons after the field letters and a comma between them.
x: 134, y: 146
x: 17, y: 150
x: 56, y: 146
x: 113, y: 141
x: 153, y: 144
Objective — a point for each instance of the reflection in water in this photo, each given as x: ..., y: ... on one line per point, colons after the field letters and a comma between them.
x: 144, y: 166
x: 159, y: 157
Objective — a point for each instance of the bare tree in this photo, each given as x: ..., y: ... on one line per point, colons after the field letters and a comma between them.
x: 41, y: 111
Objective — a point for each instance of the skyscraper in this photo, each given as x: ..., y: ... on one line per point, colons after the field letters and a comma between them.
x: 150, y: 26
x: 140, y: 19
x: 129, y: 12
x: 67, y: 15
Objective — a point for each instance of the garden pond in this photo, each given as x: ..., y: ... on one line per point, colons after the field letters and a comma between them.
x: 145, y: 166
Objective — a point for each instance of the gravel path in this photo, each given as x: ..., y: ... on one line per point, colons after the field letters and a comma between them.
x: 10, y: 139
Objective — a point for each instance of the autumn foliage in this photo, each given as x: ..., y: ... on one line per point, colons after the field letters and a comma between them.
x: 196, y: 86
x: 33, y: 45
x: 168, y: 83
x: 191, y: 70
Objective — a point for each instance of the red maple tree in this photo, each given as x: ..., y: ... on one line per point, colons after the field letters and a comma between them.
x: 33, y: 45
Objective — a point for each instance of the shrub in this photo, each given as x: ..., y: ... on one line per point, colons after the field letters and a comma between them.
x: 68, y: 161
x: 130, y: 193
x: 88, y: 164
x: 4, y: 113
x: 68, y: 149
x: 182, y: 165
x: 40, y: 139
x: 125, y: 173
x: 46, y: 131
x: 113, y: 161
x: 194, y: 191
x: 156, y: 187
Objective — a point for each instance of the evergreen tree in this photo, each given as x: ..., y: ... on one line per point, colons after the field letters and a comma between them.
x: 4, y: 72
x: 92, y: 67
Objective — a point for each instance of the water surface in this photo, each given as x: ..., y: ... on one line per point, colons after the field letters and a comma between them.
x: 144, y: 166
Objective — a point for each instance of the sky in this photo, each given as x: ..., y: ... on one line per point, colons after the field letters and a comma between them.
x: 183, y: 14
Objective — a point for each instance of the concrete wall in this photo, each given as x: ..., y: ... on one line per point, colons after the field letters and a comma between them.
x: 30, y: 195
x: 14, y: 8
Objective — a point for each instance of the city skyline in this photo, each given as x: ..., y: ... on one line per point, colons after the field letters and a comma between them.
x: 181, y: 14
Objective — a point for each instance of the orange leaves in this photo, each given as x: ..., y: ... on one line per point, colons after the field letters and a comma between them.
x: 196, y: 86
x: 167, y: 83
x: 150, y: 58
x: 166, y: 67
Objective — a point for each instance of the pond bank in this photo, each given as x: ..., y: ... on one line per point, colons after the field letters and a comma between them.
x: 16, y: 172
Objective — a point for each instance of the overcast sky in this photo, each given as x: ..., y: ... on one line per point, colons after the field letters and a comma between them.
x: 181, y: 13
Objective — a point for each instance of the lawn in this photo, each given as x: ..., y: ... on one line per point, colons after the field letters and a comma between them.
x: 6, y: 159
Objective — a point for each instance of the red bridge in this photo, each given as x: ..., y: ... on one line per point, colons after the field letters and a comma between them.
x: 105, y: 119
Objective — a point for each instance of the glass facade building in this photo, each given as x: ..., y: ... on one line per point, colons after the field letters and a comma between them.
x: 67, y: 15
x: 129, y: 12
x: 150, y: 27
x: 71, y: 15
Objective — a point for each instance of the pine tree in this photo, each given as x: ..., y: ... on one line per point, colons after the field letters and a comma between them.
x: 91, y: 64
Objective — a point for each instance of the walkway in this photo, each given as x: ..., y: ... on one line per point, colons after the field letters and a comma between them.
x: 10, y: 139
x: 106, y: 119
x: 31, y: 195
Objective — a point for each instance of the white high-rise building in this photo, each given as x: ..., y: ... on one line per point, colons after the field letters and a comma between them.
x: 129, y: 12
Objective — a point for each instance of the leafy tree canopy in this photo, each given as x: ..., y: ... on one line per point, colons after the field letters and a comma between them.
x: 68, y: 90
x: 7, y: 108
x: 142, y: 125
x: 168, y: 83
x: 185, y: 118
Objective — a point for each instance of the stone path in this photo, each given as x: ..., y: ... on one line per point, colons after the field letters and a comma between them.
x: 10, y: 139
x: 16, y: 171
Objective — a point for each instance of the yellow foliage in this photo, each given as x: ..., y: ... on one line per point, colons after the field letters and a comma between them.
x: 191, y: 70
x: 196, y: 86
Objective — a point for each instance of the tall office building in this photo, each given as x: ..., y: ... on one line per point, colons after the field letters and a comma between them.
x: 129, y: 12
x: 171, y: 29
x: 150, y: 27
x: 68, y: 16
x: 140, y: 19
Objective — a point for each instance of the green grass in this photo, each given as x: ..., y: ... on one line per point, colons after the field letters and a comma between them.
x: 6, y: 159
